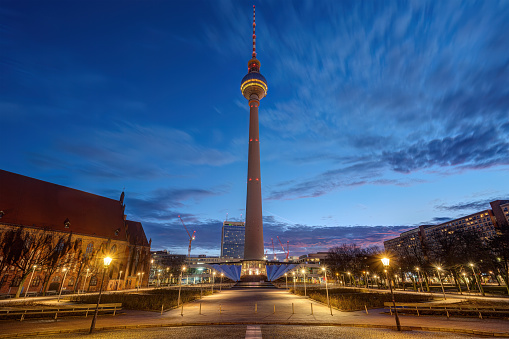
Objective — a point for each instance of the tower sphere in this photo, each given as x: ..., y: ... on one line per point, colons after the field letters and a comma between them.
x: 253, y: 82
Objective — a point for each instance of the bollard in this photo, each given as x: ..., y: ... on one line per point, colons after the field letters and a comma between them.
x: 256, y: 307
x: 366, y: 308
x: 182, y: 311
x: 200, y: 308
x: 162, y: 309
x: 330, y: 306
x: 293, y: 312
x: 274, y: 308
x: 311, y: 308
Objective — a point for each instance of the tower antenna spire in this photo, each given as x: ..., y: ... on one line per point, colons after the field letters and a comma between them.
x: 254, y: 33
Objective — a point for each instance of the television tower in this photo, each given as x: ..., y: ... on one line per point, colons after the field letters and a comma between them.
x: 254, y: 88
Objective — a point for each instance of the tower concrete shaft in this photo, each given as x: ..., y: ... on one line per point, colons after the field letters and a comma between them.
x: 253, y: 246
x: 253, y: 88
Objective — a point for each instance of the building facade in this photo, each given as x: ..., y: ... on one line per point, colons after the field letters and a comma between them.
x: 232, y: 240
x: 55, y: 238
x: 426, y: 240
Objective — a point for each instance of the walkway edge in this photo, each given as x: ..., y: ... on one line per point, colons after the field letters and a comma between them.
x: 132, y: 327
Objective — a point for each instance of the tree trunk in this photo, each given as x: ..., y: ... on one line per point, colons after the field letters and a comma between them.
x: 426, y: 281
x: 456, y: 281
x: 21, y: 283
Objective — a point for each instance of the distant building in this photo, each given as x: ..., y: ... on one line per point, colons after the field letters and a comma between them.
x: 232, y: 240
x: 424, y: 240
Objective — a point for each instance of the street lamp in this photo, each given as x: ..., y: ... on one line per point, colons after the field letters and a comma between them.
x: 349, y: 278
x: 141, y: 282
x: 419, y: 275
x: 213, y: 280
x: 466, y: 282
x: 477, y: 280
x: 286, y: 281
x: 304, y: 274
x: 62, y: 286
x: 326, y: 285
x: 440, y: 279
x: 385, y: 262
x: 30, y: 281
x: 180, y: 284
x: 138, y: 281
x: 107, y: 262
x: 293, y: 273
x: 221, y: 283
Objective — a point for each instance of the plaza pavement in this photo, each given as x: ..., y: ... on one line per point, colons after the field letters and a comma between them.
x: 256, y: 306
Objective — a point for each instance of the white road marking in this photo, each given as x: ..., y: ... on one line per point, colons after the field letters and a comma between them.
x: 253, y: 332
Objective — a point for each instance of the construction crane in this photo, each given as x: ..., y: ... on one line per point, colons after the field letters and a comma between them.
x: 191, y: 237
x: 287, y: 251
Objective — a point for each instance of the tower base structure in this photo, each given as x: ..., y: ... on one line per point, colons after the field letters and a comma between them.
x: 253, y: 270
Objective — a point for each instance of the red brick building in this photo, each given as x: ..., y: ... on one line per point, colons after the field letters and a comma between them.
x: 82, y: 227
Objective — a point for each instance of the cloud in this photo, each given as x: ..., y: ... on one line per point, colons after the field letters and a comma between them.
x: 475, y: 205
x: 160, y: 205
x: 130, y: 150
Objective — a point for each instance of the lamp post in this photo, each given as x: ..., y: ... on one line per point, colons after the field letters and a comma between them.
x: 477, y: 280
x: 119, y: 280
x: 107, y: 262
x: 62, y: 286
x: 138, y: 280
x: 440, y: 279
x: 385, y: 262
x: 213, y: 280
x: 324, y: 269
x: 286, y: 281
x: 419, y: 275
x: 304, y: 274
x: 337, y: 278
x: 171, y: 275
x: 349, y: 278
x: 293, y: 273
x: 180, y: 284
x: 30, y: 281
x: 221, y: 283
x: 141, y: 282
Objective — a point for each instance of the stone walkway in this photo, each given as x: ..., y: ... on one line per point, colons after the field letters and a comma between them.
x: 257, y: 306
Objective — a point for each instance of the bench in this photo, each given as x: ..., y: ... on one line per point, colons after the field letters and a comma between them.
x: 55, y: 311
x: 448, y: 310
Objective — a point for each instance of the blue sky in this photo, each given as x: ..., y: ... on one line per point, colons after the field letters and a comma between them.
x: 380, y: 115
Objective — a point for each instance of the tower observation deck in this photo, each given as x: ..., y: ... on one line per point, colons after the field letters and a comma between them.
x: 254, y: 88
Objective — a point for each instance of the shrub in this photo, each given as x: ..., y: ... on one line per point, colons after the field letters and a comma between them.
x: 151, y: 300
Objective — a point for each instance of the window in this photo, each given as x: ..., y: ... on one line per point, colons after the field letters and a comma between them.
x: 35, y: 281
x: 16, y: 281
x: 113, y: 249
x: 93, y: 281
x: 55, y: 279
x: 70, y: 282
x: 4, y: 279
x: 90, y: 248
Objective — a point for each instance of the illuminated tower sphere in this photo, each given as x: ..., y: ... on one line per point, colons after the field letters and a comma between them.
x: 254, y: 88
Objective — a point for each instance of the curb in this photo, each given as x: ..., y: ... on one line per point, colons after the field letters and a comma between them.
x: 284, y: 323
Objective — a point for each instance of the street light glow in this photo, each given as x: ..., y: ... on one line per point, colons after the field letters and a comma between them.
x: 385, y: 261
x: 107, y: 261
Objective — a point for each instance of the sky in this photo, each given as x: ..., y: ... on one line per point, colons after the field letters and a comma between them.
x: 380, y: 115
